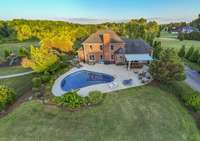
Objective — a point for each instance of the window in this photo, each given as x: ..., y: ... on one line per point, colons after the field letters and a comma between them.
x: 112, y: 57
x: 92, y: 57
x: 101, y: 47
x: 90, y: 46
x: 112, y: 47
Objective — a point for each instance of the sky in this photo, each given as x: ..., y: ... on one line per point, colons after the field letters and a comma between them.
x: 100, y: 10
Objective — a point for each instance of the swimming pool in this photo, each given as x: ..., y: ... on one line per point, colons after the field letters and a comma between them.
x: 84, y: 78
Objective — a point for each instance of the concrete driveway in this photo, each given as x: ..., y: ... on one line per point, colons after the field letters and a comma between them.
x: 193, y: 78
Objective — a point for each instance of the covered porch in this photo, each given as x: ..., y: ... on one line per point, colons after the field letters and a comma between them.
x: 137, y: 60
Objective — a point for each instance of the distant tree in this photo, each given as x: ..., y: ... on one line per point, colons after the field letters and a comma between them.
x: 195, y: 56
x: 181, y: 36
x: 181, y: 52
x: 190, y: 52
x: 168, y: 68
x: 157, y: 49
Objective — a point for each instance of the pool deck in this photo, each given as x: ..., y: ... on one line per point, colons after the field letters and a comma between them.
x: 120, y: 74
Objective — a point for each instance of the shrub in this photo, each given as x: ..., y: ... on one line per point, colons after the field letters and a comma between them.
x: 70, y: 100
x: 95, y: 97
x: 190, y: 52
x: 7, y: 53
x: 46, y: 77
x: 73, y: 100
x: 192, y: 100
x: 7, y: 96
x: 23, y: 52
x: 181, y: 53
x: 195, y: 56
x: 36, y: 82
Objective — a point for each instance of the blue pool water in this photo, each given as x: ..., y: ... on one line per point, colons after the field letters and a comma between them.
x: 84, y: 78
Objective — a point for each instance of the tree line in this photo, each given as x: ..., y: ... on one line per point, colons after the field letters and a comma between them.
x: 42, y: 29
x: 192, y: 54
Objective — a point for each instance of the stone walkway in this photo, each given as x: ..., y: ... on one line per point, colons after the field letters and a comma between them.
x: 16, y: 75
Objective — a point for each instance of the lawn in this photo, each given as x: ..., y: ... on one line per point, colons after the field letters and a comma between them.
x: 16, y: 46
x: 12, y: 70
x: 169, y: 41
x: 145, y: 113
x: 20, y: 84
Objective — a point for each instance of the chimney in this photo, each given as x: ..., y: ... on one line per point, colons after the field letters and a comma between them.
x: 106, y: 39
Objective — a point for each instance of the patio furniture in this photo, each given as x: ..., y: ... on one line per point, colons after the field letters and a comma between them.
x: 113, y: 85
x: 127, y: 82
x: 79, y: 66
x: 91, y: 62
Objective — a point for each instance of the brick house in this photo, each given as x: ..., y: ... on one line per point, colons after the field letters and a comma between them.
x: 107, y: 47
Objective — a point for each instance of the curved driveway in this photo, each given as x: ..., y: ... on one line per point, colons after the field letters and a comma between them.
x: 193, y: 78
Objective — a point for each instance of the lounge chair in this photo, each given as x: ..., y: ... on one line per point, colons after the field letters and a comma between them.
x: 127, y: 82
x: 113, y: 85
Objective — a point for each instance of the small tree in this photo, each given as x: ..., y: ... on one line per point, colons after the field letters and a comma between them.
x: 157, y: 49
x: 7, y: 53
x: 195, y: 56
x: 168, y: 68
x: 190, y: 52
x: 181, y: 52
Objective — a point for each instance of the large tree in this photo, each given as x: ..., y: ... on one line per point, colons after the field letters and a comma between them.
x: 40, y: 59
x: 168, y: 68
x: 61, y: 43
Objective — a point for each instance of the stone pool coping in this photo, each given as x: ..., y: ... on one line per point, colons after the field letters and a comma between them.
x: 120, y: 73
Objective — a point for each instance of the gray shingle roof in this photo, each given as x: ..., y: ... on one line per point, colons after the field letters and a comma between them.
x: 98, y: 37
x: 134, y: 47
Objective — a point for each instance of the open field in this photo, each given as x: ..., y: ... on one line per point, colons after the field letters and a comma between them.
x: 136, y: 114
x: 169, y: 41
x: 14, y: 47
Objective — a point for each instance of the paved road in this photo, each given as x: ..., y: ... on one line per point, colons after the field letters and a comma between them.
x: 16, y: 75
x: 193, y: 78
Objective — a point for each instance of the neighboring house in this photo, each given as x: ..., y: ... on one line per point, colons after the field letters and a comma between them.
x: 107, y: 47
x: 184, y: 29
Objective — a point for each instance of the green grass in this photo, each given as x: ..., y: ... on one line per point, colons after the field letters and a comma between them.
x: 12, y: 70
x: 138, y: 114
x: 168, y: 35
x: 21, y: 84
x: 14, y: 47
x: 169, y: 41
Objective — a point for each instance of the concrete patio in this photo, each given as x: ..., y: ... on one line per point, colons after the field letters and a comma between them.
x: 120, y: 74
